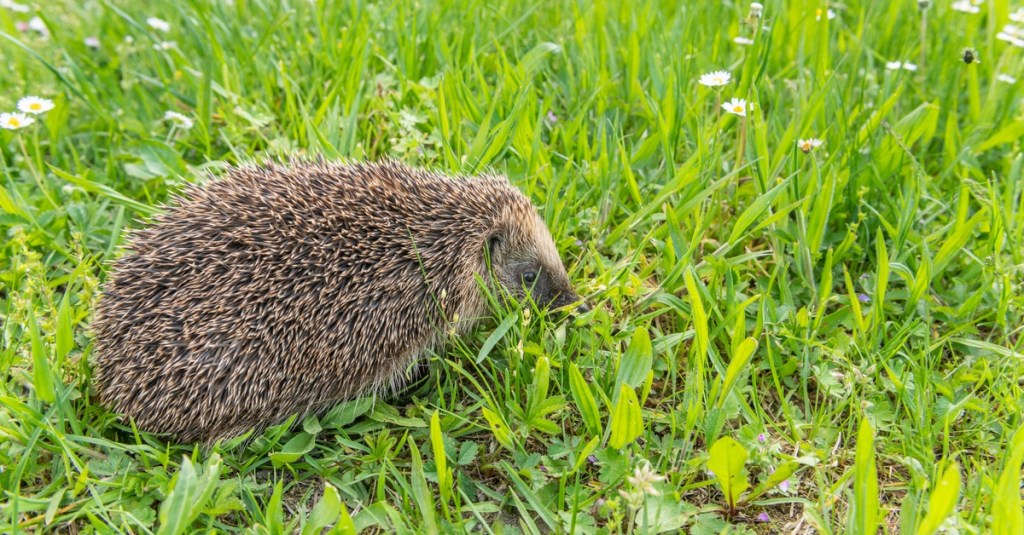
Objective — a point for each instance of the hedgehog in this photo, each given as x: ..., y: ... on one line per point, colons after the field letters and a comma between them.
x: 284, y: 288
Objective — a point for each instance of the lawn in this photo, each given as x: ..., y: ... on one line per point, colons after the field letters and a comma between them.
x: 786, y: 336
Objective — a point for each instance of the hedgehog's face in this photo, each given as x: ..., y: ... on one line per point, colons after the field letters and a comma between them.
x: 529, y: 265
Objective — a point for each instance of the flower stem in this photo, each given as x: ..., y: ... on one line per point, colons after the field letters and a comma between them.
x: 743, y: 142
x: 924, y: 39
x: 35, y: 174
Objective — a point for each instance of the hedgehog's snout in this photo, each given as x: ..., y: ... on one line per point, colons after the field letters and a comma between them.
x: 567, y: 298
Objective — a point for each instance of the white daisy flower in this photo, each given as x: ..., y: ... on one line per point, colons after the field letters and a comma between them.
x: 897, y: 65
x: 15, y: 120
x: 35, y: 105
x: 178, y: 120
x: 737, y: 106
x: 1012, y: 34
x: 165, y: 45
x: 745, y: 41
x: 964, y: 6
x: 830, y: 14
x: 92, y: 42
x: 1006, y: 78
x: 37, y: 25
x: 715, y: 78
x: 158, y: 24
x: 756, y: 9
x: 1018, y: 16
x: 14, y: 6
x: 807, y: 145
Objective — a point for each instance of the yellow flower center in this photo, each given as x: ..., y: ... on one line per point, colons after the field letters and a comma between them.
x: 35, y: 106
x: 737, y: 109
x: 13, y: 121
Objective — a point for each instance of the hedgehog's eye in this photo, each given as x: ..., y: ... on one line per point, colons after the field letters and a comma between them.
x: 530, y: 277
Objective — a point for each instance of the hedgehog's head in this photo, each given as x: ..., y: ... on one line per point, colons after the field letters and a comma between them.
x: 524, y: 260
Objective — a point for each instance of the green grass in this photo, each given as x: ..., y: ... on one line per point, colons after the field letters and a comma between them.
x: 837, y: 333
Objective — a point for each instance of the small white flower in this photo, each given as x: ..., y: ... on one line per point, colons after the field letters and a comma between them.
x: 35, y: 105
x: 745, y: 41
x: 1012, y: 34
x: 1018, y: 16
x: 165, y: 45
x: 715, y: 78
x: 14, y: 121
x: 178, y: 120
x: 828, y: 13
x: 37, y: 25
x: 14, y: 6
x: 1006, y: 78
x: 158, y: 24
x: 897, y: 65
x: 964, y: 6
x: 644, y: 478
x: 807, y: 145
x: 756, y: 9
x: 92, y: 42
x: 737, y: 106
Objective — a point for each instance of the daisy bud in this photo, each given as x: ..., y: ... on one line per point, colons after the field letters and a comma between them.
x: 970, y: 55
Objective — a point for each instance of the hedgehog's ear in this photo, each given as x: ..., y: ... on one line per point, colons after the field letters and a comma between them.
x: 494, y: 241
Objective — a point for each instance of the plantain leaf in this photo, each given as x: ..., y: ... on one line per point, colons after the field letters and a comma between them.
x: 627, y: 422
x: 943, y: 499
x: 584, y: 400
x: 864, y: 509
x: 726, y: 460
x: 498, y: 428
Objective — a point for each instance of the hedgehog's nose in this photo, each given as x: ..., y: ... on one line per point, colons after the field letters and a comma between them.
x: 583, y: 308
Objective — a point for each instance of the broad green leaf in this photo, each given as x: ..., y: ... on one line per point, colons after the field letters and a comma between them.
x: 1007, y: 515
x: 726, y: 460
x: 942, y: 501
x: 736, y: 365
x: 498, y: 427
x: 64, y: 337
x: 539, y: 386
x: 882, y: 278
x: 700, y: 318
x: 188, y: 496
x: 921, y: 281
x: 344, y: 525
x: 325, y: 512
x: 274, y: 514
x: 636, y: 363
x: 420, y: 492
x: 782, y: 473
x: 294, y: 449
x: 627, y: 421
x: 584, y: 400
x: 855, y: 310
x: 444, y: 475
x: 864, y: 509
x: 585, y: 451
